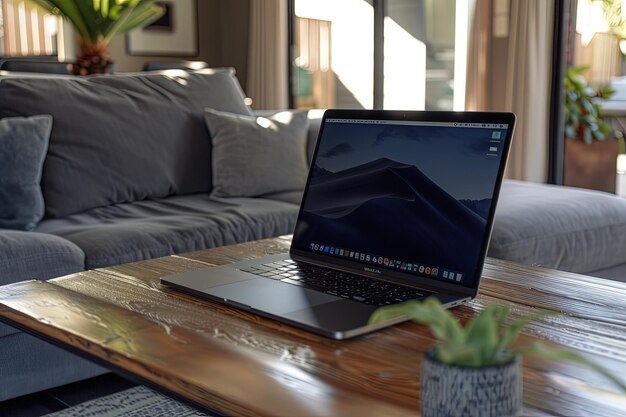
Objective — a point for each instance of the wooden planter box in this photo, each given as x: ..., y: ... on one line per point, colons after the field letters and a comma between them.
x: 590, y: 166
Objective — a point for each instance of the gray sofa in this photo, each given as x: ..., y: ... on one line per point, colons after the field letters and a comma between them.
x: 128, y: 177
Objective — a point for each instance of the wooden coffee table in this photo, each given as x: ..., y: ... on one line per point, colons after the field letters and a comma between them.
x: 241, y: 364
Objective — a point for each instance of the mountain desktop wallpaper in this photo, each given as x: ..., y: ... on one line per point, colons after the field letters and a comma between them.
x: 417, y: 193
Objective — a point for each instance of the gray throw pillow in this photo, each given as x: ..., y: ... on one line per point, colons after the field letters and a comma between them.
x: 253, y: 156
x: 23, y: 147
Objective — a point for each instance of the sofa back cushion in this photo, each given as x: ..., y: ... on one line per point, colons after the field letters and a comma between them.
x: 124, y: 137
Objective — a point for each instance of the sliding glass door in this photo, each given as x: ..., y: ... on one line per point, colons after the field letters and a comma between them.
x: 392, y: 54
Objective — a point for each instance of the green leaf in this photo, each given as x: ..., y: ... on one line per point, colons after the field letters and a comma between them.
x: 90, y: 19
x: 104, y: 8
x: 607, y: 130
x: 391, y: 312
x: 578, y: 70
x: 139, y: 15
x: 606, y: 92
x: 511, y: 333
x: 591, y: 123
x: 100, y: 20
x: 69, y: 11
x: 459, y: 355
x: 598, y: 135
x: 586, y: 104
x: 443, y: 325
x: 590, y: 92
x: 482, y: 331
x: 572, y: 96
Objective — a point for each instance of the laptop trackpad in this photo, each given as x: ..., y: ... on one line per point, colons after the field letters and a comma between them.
x: 271, y: 296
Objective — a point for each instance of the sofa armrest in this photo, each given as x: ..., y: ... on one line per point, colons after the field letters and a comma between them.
x: 565, y: 228
x: 30, y: 255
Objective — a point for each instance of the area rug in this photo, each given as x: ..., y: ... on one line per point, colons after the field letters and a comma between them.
x: 134, y: 402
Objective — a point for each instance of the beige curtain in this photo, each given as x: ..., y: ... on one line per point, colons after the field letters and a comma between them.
x: 267, y: 81
x: 528, y: 85
x: 478, y: 63
x: 512, y: 73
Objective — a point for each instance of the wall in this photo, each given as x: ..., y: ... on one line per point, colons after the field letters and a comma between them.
x: 222, y: 39
x: 231, y: 36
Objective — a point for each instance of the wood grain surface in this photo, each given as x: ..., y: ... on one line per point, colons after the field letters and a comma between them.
x: 241, y: 364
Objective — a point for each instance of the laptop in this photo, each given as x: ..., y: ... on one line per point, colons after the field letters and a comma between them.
x: 398, y: 205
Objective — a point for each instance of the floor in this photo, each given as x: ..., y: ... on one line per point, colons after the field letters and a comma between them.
x: 56, y: 399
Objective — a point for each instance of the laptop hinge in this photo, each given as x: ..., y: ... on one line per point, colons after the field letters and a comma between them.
x: 409, y: 281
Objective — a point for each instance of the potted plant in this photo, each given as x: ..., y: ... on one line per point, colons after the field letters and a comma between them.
x: 97, y: 22
x: 591, y: 145
x: 475, y: 370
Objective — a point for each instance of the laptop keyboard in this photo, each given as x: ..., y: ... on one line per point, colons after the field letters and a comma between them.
x: 342, y: 284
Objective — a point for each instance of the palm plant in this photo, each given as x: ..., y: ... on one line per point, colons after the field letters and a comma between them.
x: 97, y: 23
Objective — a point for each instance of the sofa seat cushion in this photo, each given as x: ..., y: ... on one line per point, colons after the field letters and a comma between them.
x: 564, y: 228
x: 148, y: 229
x: 29, y: 255
x: 294, y: 197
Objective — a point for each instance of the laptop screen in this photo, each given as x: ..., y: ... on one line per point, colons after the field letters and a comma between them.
x: 412, y: 196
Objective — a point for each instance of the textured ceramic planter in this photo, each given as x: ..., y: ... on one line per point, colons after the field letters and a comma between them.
x: 455, y: 391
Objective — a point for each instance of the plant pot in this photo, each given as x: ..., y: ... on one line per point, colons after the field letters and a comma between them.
x: 451, y: 391
x: 590, y: 165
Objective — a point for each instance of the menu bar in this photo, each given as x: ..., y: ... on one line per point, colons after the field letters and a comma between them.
x: 419, y: 123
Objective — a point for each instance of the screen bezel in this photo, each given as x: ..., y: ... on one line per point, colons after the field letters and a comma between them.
x: 417, y: 116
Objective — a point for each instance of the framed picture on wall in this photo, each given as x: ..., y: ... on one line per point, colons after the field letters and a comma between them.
x: 173, y: 34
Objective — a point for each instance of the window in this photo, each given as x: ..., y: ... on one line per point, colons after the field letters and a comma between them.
x: 26, y: 30
x: 597, y: 45
x: 334, y: 54
x: 392, y: 54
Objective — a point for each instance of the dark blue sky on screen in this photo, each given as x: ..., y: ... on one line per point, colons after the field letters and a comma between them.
x: 455, y: 158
